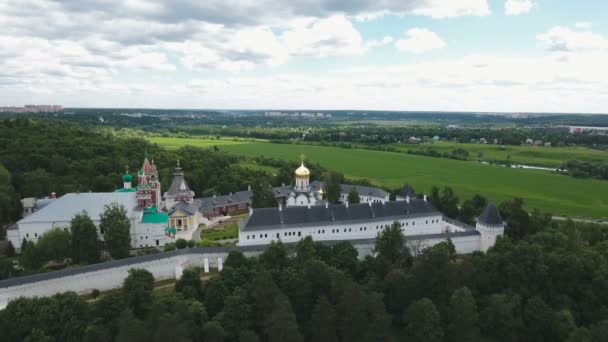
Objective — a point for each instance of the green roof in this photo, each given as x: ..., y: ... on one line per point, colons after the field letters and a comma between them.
x: 150, y: 217
x: 126, y: 190
x: 127, y: 178
x: 170, y: 230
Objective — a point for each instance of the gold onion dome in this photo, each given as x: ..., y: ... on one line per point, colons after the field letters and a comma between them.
x: 302, y: 171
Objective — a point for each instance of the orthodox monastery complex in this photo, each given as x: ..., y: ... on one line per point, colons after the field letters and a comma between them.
x: 157, y: 218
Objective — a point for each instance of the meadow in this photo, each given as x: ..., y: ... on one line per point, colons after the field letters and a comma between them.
x: 559, y: 194
x: 529, y: 155
x: 173, y: 143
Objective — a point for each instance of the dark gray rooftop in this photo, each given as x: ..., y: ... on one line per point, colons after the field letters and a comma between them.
x: 345, y: 188
x: 187, y: 208
x: 207, y: 204
x: 275, y: 218
x: 490, y: 216
x: 178, y: 186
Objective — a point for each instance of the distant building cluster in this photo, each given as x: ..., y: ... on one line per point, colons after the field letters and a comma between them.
x: 298, y: 115
x: 33, y: 109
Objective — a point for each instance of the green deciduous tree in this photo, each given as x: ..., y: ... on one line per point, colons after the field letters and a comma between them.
x: 353, y: 196
x: 281, y: 324
x: 131, y: 329
x: 262, y: 196
x: 463, y: 319
x: 323, y: 322
x: 501, y: 319
x: 333, y: 190
x: 137, y: 290
x: 215, y: 295
x: 213, y: 332
x: 517, y: 218
x: 391, y: 249
x: 190, y: 284
x: 422, y: 322
x: 85, y: 243
x: 117, y: 230
x: 54, y: 245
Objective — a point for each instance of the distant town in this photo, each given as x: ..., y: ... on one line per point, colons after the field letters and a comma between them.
x: 32, y: 109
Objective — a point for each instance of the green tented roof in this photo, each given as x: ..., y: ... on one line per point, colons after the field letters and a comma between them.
x: 155, y: 217
x: 125, y: 190
x: 170, y: 230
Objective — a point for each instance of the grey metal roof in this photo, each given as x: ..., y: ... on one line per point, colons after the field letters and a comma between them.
x: 68, y: 205
x: 345, y: 189
x: 178, y: 186
x: 207, y: 204
x: 276, y: 218
x: 490, y: 216
x: 187, y: 208
x: 282, y: 191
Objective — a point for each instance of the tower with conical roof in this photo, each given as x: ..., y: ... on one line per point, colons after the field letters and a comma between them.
x: 148, y: 184
x: 490, y: 226
x: 179, y: 191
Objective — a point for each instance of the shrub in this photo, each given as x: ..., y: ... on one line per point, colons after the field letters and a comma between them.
x: 181, y: 243
x: 191, y: 243
x: 170, y: 247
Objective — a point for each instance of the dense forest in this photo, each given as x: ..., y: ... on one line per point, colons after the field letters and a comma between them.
x: 551, y: 285
x: 39, y: 157
x: 345, y: 127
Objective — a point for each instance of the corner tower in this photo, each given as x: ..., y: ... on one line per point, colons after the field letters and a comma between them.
x: 490, y: 225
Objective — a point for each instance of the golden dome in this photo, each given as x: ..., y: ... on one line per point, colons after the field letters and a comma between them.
x: 302, y: 171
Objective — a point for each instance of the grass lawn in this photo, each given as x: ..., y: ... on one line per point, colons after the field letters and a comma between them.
x: 229, y: 231
x: 531, y: 155
x: 173, y: 143
x: 559, y: 194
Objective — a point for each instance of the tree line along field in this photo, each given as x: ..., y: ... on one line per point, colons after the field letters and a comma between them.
x: 173, y: 143
x: 559, y: 194
x: 529, y: 155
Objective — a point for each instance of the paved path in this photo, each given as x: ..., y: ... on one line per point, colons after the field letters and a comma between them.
x: 600, y: 221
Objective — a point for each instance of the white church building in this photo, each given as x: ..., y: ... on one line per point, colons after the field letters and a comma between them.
x: 306, y: 215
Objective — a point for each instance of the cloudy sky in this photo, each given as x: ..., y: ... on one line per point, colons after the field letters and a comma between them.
x: 456, y: 55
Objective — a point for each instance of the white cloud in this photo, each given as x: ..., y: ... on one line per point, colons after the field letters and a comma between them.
x: 565, y: 39
x: 419, y: 40
x: 583, y: 25
x: 452, y: 8
x: 517, y: 7
x: 377, y: 43
x: 324, y: 37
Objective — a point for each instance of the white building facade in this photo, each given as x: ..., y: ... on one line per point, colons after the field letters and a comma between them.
x: 60, y: 212
x: 418, y: 220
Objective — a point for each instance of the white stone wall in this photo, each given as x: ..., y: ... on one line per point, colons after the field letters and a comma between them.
x: 111, y: 278
x: 142, y: 234
x: 172, y: 266
x: 366, y: 198
x: 353, y: 231
x: 489, y: 234
x: 148, y: 235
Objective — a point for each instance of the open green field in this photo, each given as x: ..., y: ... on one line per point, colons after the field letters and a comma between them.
x: 559, y: 194
x: 530, y: 155
x: 173, y: 143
